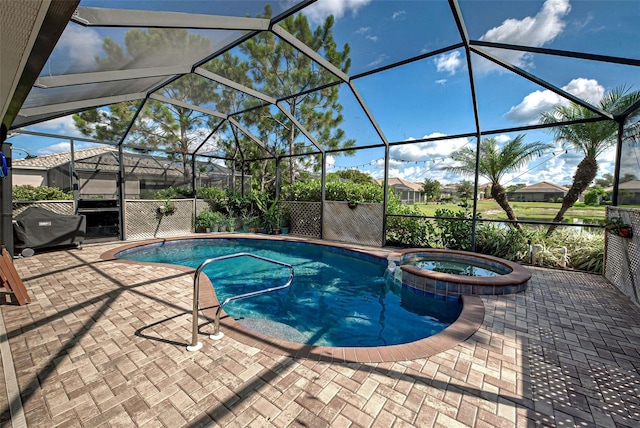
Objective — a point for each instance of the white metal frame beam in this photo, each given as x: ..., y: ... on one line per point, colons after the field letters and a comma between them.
x: 102, y: 17
x: 109, y: 76
x: 79, y: 105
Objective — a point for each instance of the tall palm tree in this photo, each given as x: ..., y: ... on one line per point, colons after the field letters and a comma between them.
x: 495, y: 162
x: 591, y: 139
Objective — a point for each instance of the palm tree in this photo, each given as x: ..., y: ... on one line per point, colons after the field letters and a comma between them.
x: 495, y: 163
x: 591, y: 139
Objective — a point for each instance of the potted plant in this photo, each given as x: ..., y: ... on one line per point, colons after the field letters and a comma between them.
x: 249, y: 223
x: 269, y: 214
x: 617, y: 226
x: 231, y: 223
x: 284, y: 220
x: 203, y: 221
x: 256, y: 225
x: 169, y: 207
x: 218, y: 222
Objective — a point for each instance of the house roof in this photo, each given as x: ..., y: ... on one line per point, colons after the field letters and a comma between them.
x: 399, y: 182
x: 627, y: 185
x: 543, y: 186
x: 57, y: 159
x: 105, y: 159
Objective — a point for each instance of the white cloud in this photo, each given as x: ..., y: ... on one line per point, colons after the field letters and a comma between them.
x: 534, y: 31
x: 448, y: 63
x: 362, y: 30
x: 378, y: 60
x: 82, y: 46
x: 197, y: 136
x: 441, y: 81
x: 318, y: 11
x: 398, y: 14
x: 502, y: 138
x: 331, y: 160
x: 427, y: 150
x: 372, y: 38
x: 62, y: 126
x: 61, y: 147
x: 528, y: 111
x: 587, y: 89
x: 64, y: 146
x: 557, y: 169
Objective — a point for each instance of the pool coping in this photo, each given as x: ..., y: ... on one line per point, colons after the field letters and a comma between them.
x: 465, y: 326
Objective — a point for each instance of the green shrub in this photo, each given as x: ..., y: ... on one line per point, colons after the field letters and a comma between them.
x: 585, y: 250
x: 173, y: 193
x: 454, y: 233
x: 302, y: 191
x: 499, y: 241
x: 407, y: 231
x: 311, y: 191
x: 43, y: 193
x: 352, y: 192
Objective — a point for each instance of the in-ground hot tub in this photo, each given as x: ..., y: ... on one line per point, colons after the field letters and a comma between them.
x: 449, y: 274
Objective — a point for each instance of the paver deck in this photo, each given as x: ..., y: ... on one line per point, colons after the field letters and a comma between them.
x: 103, y: 344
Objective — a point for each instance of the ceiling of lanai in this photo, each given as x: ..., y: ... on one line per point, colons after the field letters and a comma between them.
x: 409, y: 60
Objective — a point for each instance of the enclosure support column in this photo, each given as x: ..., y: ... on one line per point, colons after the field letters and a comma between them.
x: 6, y: 206
x: 233, y: 176
x: 323, y: 184
x: 457, y: 15
x: 278, y: 177
x: 72, y: 176
x: 121, y: 193
x: 193, y: 176
x: 385, y: 192
x: 616, y: 172
x: 242, y: 178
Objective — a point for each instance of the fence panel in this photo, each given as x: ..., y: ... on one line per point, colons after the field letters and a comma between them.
x: 622, y: 255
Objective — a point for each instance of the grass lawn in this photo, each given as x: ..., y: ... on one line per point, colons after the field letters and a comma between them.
x: 543, y: 211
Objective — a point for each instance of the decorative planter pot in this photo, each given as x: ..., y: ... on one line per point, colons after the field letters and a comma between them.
x: 625, y: 232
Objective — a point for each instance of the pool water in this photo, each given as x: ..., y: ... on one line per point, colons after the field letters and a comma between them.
x: 465, y: 268
x: 337, y: 297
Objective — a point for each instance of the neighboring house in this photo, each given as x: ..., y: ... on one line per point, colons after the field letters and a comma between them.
x: 628, y: 192
x: 451, y: 191
x: 539, y: 192
x: 407, y: 191
x: 448, y: 191
x: 96, y: 170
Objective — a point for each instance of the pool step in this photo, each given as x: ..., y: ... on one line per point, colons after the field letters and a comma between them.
x: 273, y: 328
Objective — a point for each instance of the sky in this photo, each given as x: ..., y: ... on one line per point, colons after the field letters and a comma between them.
x: 431, y: 97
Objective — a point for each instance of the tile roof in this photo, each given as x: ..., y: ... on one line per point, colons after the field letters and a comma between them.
x: 627, y: 185
x: 57, y: 159
x: 543, y: 186
x: 406, y: 183
x: 105, y: 159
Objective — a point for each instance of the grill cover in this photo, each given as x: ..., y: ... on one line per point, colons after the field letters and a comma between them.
x: 40, y: 228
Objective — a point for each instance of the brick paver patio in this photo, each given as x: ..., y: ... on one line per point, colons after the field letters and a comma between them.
x: 103, y: 344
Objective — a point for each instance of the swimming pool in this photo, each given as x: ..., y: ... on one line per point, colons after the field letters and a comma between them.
x: 337, y: 298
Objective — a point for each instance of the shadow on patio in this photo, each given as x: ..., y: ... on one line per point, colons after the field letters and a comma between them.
x: 103, y: 343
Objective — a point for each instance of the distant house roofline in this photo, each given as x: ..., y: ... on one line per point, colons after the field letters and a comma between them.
x: 543, y: 186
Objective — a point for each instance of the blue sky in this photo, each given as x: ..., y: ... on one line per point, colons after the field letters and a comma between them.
x: 431, y: 97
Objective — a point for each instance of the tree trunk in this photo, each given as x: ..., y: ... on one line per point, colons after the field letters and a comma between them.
x: 500, y: 196
x: 585, y: 173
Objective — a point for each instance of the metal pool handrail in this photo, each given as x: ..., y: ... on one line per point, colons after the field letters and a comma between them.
x: 195, y: 345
